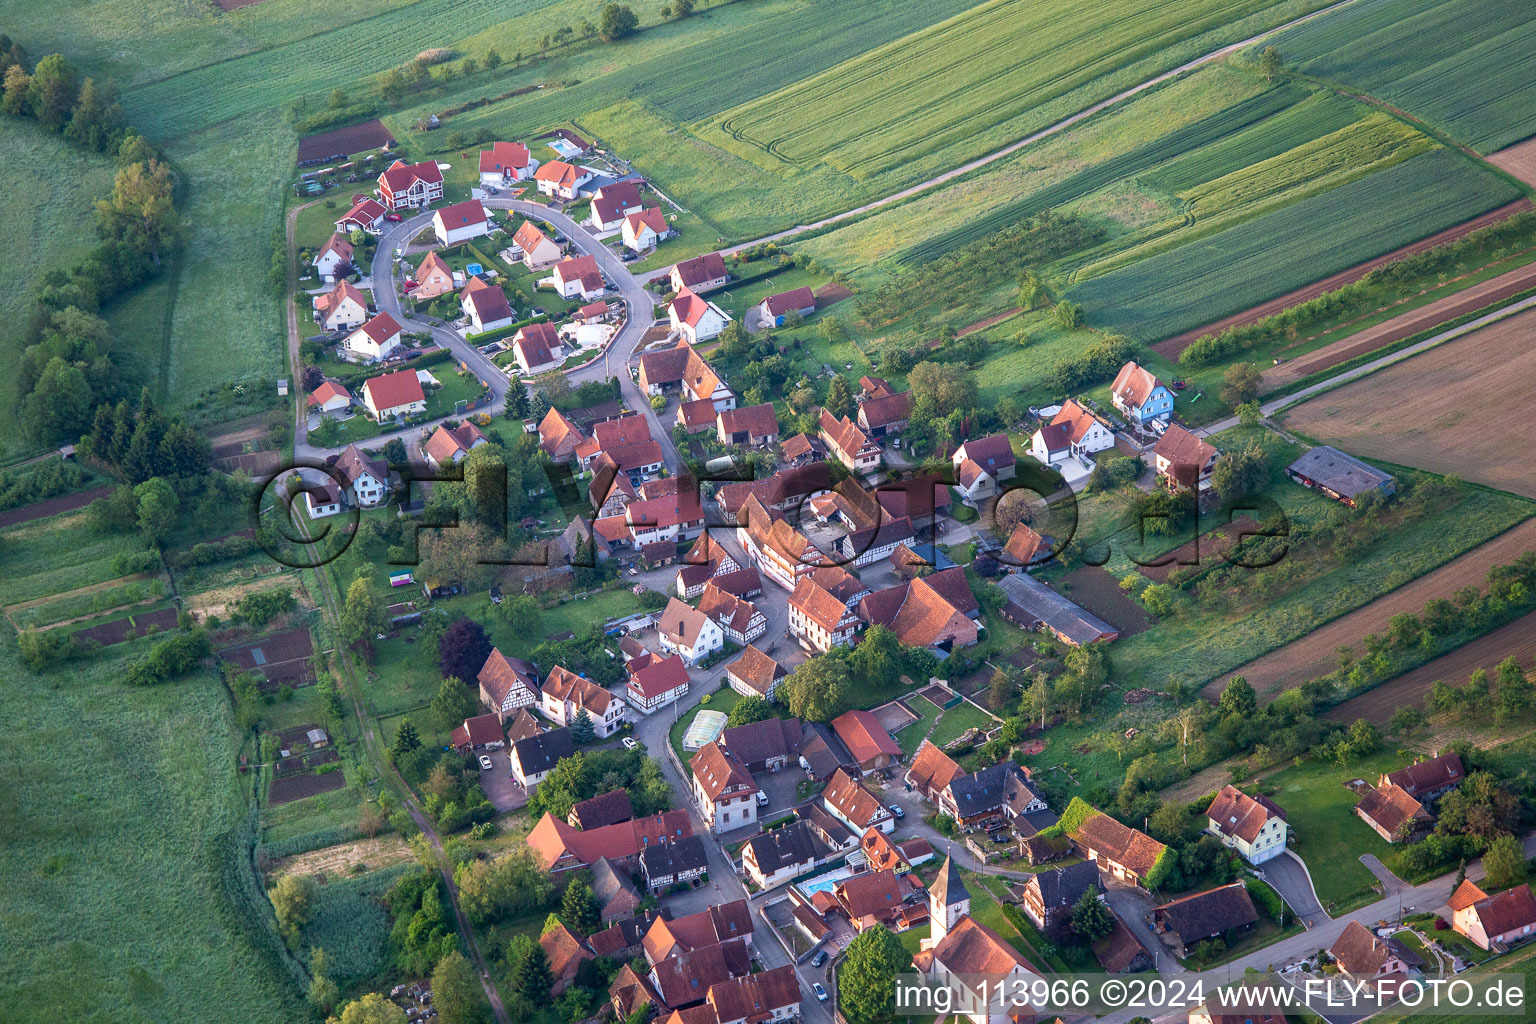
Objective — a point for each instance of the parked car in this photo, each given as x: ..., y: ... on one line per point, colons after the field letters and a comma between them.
x: 819, y: 959
x: 395, y: 217
x: 821, y: 993
x: 896, y: 810
x: 1000, y: 837
x: 629, y: 743
x: 762, y: 799
x: 485, y: 763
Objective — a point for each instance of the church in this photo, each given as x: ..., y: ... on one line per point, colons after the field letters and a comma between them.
x: 958, y: 945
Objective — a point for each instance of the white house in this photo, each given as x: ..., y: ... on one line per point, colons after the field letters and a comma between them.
x: 461, y: 222
x: 657, y: 683
x: 405, y: 186
x: 537, y: 348
x: 643, y: 229
x: 1184, y: 461
x: 394, y: 395
x: 700, y: 274
x: 578, y: 277
x: 448, y: 445
x: 1073, y: 432
x: 375, y: 340
x: 366, y: 215
x: 534, y: 757
x: 341, y: 308
x: 505, y: 163
x: 486, y: 306
x: 723, y: 789
x: 335, y: 253
x: 562, y: 180
x: 565, y: 695
x: 773, y: 310
x: 1140, y: 396
x: 1254, y: 826
x: 982, y: 464
x: 367, y: 478
x: 322, y: 498
x: 689, y: 632
x: 695, y: 317
x: 611, y: 203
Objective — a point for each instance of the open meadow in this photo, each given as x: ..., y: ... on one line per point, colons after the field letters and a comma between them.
x: 1397, y: 416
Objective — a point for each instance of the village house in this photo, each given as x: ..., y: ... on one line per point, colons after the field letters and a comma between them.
x: 537, y: 349
x: 433, y: 278
x: 785, y: 492
x: 677, y: 863
x: 565, y: 695
x: 612, y: 203
x: 1120, y: 851
x: 880, y: 899
x: 681, y: 368
x: 374, y: 340
x: 875, y: 543
x: 961, y: 949
x: 782, y: 553
x: 366, y: 215
x: 886, y: 415
x: 322, y: 498
x: 330, y: 397
x: 1364, y: 955
x: 534, y: 757
x: 1226, y: 912
x: 394, y: 396
x: 645, y: 229
x: 801, y: 450
x: 656, y: 522
x: 1073, y: 433
x: 486, y: 306
x: 505, y: 163
x: 557, y: 846
x: 882, y: 853
x: 565, y: 952
x: 1493, y: 922
x: 617, y: 897
x: 772, y: 858
x: 856, y: 807
x: 696, y: 417
x: 931, y: 772
x: 579, y: 277
x: 1392, y: 812
x: 1254, y: 826
x: 482, y: 732
x: 712, y: 926
x: 687, y: 631
x: 699, y: 274
x: 738, y: 619
x: 695, y: 317
x: 448, y: 445
x: 936, y: 611
x: 775, y: 309
x: 866, y: 739
x: 656, y: 683
x: 341, y: 308
x: 765, y: 746
x: 981, y: 465
x: 627, y: 443
x: 1140, y: 396
x: 367, y: 478
x: 538, y: 251
x: 335, y: 254
x: 559, y: 438
x: 683, y: 981
x: 723, y: 789
x: 852, y: 447
x: 1122, y: 951
x: 754, y: 674
x: 695, y: 576
x: 405, y: 186
x: 751, y: 425
x: 507, y: 684
x: 768, y: 997
x: 1184, y: 461
x: 461, y: 222
x: 1342, y: 477
x: 1428, y: 780
x: 1025, y: 550
x: 822, y: 608
x: 1050, y: 896
x: 608, y: 808
x: 630, y: 991
x: 562, y: 180
x: 982, y: 799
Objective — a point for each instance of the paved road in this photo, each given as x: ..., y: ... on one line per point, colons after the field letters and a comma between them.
x: 1291, y: 880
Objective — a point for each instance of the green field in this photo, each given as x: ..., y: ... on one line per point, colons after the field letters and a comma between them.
x: 130, y: 894
x: 1466, y: 66
x: 1272, y: 254
x: 957, y: 720
x: 52, y: 556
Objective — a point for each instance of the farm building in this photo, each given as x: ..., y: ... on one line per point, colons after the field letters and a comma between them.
x: 1032, y: 604
x: 775, y: 308
x: 1339, y: 475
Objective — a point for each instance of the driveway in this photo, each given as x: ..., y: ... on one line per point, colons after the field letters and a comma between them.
x: 1289, y: 876
x: 500, y: 788
x: 1134, y: 907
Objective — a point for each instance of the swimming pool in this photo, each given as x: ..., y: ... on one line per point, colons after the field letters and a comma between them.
x: 822, y: 883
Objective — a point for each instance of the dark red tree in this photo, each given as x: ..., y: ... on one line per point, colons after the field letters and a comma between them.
x: 463, y: 649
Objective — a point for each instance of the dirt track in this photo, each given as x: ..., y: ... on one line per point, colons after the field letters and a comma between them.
x: 1519, y: 160
x: 1171, y: 347
x: 1377, y: 705
x: 1389, y: 332
x: 1457, y: 408
x: 1313, y: 655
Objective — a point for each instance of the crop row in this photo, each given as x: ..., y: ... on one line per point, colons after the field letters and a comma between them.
x: 1269, y: 255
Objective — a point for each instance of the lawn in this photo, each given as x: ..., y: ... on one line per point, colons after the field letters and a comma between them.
x: 457, y: 387
x: 1521, y: 963
x: 159, y: 827
x: 957, y: 720
x: 1465, y: 66
x: 1284, y: 249
x: 1329, y: 836
x: 912, y: 736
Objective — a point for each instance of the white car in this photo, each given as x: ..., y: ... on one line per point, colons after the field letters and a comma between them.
x: 762, y: 799
x: 629, y: 743
x: 485, y: 763
x: 821, y: 993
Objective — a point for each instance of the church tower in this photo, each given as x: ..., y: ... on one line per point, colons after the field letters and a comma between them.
x: 948, y: 902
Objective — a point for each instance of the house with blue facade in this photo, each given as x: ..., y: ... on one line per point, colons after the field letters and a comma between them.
x: 1140, y: 396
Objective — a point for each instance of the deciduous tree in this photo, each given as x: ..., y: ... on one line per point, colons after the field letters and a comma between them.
x: 456, y: 992
x: 866, y: 983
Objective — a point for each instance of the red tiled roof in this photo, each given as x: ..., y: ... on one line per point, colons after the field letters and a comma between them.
x: 874, y: 893
x: 1466, y: 894
x: 864, y: 736
x: 716, y: 771
x: 856, y: 803
x: 400, y: 175
x: 503, y: 156
x: 611, y: 201
x: 461, y: 214
x: 579, y: 268
x: 843, y: 434
x: 650, y: 217
x: 431, y: 263
x: 1507, y: 911
x: 446, y: 442
x: 756, y: 997
x: 339, y: 245
x: 973, y: 948
x: 756, y: 669
x: 700, y: 269
x: 1181, y: 448
x: 394, y: 389
x: 487, y: 300
x: 1025, y: 545
x: 755, y: 420
x: 1390, y: 807
x: 1434, y: 773
x: 366, y: 211
x: 333, y: 298
x: 1133, y: 384
x: 558, y: 436
x: 1120, y: 843
x: 565, y: 952
x: 553, y: 838
x: 689, y: 307
x: 1238, y: 814
x: 559, y: 172
x: 817, y: 603
x: 888, y: 409
x: 479, y: 731
x: 991, y: 454
x: 537, y: 343
x: 528, y: 237
x: 327, y: 391
x: 565, y: 685
x: 932, y: 769
x: 791, y: 301
x: 730, y: 611
x: 1075, y: 420
x: 659, y: 677
x: 381, y: 328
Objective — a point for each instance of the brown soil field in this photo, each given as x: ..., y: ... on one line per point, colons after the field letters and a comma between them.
x: 1519, y: 160
x: 115, y: 632
x: 1313, y: 655
x: 980, y: 325
x: 1099, y: 592
x: 297, y: 787
x: 53, y: 506
x: 352, y: 139
x: 1389, y: 332
x: 831, y: 294
x: 1517, y: 638
x: 1171, y: 347
x: 1454, y: 409
x: 283, y: 658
